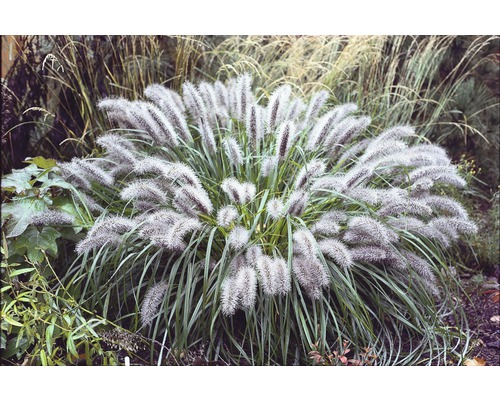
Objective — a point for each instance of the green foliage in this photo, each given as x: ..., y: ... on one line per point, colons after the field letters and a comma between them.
x: 42, y: 324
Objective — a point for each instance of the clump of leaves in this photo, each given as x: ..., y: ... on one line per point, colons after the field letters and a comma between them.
x: 42, y: 324
x: 248, y: 224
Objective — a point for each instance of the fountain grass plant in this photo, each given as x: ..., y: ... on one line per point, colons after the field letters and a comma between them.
x: 260, y: 228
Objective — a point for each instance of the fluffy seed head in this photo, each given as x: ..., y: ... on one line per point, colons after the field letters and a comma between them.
x: 226, y: 216
x: 238, y: 238
x: 151, y: 303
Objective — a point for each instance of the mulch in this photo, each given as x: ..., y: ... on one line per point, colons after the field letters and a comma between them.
x: 482, y: 307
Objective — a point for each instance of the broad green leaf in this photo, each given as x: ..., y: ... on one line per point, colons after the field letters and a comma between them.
x: 20, y: 179
x: 42, y: 162
x: 55, y: 181
x: 18, y: 214
x: 34, y: 241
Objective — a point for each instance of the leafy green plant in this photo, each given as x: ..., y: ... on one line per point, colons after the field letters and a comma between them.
x: 42, y: 324
x: 249, y: 228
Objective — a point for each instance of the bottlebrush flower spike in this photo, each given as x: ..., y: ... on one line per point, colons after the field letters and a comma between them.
x: 238, y: 238
x: 226, y: 215
x: 278, y: 104
x: 151, y: 303
x: 51, y: 217
x: 275, y: 208
x: 233, y: 151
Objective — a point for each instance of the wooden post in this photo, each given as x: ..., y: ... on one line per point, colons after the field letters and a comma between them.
x: 10, y: 47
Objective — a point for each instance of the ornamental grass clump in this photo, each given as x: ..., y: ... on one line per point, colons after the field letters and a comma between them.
x: 259, y: 228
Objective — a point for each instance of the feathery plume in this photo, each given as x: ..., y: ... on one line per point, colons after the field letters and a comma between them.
x: 173, y: 238
x: 268, y: 165
x: 238, y: 238
x: 229, y: 296
x: 275, y: 208
x: 244, y: 95
x: 221, y: 95
x: 446, y: 204
x: 277, y: 106
x: 252, y: 254
x: 161, y: 95
x: 248, y: 191
x: 365, y: 195
x: 356, y: 176
x: 193, y: 101
x: 400, y: 206
x: 451, y: 226
x: 328, y: 224
x: 181, y: 172
x: 308, y: 172
x: 151, y: 303
x: 444, y: 174
x: 246, y: 287
x: 232, y: 188
x: 320, y: 130
x: 237, y: 263
x: 145, y: 190
x: 264, y: 266
x: 383, y: 153
x: 255, y: 124
x: 208, y: 95
x: 423, y: 269
x: 364, y: 229
x: 106, y: 231
x: 207, y: 136
x: 91, y: 242
x: 233, y: 151
x: 286, y: 136
x: 297, y: 203
x: 351, y: 154
x: 394, y: 133
x: 51, y: 217
x: 296, y: 108
x: 89, y: 202
x: 226, y: 215
x: 337, y: 251
x: 73, y: 173
x: 313, y: 108
x: 345, y: 131
x: 368, y: 253
x: 311, y: 274
x: 195, y: 197
x: 171, y: 105
x: 160, y: 124
x: 304, y: 243
x: 117, y: 147
x: 281, y: 275
x: 92, y: 171
x: 410, y: 224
